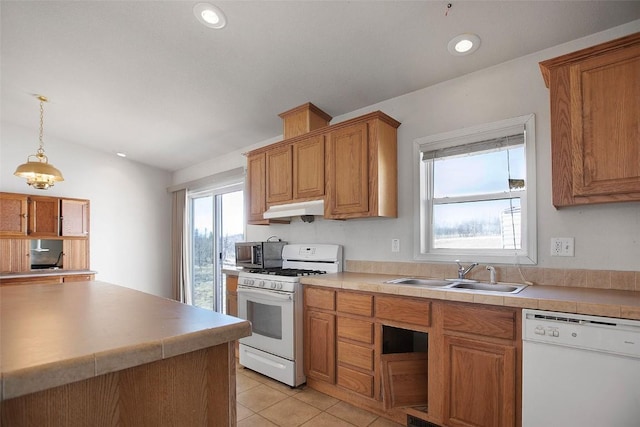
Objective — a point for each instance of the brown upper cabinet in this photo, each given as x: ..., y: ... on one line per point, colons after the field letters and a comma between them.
x: 361, y: 169
x: 352, y: 166
x: 13, y: 215
x: 23, y: 215
x: 303, y: 119
x: 595, y: 123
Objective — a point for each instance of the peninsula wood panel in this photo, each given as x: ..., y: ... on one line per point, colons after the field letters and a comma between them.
x: 39, y: 280
x: 194, y: 389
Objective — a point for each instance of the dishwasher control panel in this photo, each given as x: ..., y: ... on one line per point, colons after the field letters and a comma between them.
x: 611, y: 335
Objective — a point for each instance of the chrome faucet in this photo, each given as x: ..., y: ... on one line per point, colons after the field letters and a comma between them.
x: 463, y: 271
x: 492, y: 274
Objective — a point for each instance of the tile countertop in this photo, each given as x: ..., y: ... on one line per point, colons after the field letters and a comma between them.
x: 597, y: 302
x: 56, y: 335
x: 44, y: 273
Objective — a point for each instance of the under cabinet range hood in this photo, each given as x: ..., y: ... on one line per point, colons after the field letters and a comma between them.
x: 310, y: 208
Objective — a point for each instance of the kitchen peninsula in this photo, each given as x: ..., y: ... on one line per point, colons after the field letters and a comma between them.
x: 93, y: 353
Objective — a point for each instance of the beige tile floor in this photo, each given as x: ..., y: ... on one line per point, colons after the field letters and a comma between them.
x: 263, y: 402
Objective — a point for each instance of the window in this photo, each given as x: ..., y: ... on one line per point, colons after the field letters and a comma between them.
x: 476, y: 194
x: 216, y: 222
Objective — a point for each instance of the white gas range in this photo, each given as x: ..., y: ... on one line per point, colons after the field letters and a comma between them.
x: 271, y: 299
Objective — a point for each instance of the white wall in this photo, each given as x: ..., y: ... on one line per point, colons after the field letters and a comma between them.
x: 606, y: 236
x: 130, y: 207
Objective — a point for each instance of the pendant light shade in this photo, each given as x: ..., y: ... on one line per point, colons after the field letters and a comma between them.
x: 38, y: 172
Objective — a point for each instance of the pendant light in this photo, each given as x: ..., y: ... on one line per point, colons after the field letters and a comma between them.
x: 38, y: 172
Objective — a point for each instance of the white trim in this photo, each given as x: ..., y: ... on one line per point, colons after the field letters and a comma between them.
x: 528, y: 253
x: 221, y: 179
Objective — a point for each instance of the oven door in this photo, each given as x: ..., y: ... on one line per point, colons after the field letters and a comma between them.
x: 271, y: 316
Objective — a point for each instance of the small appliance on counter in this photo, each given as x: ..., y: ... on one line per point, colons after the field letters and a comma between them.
x: 259, y: 254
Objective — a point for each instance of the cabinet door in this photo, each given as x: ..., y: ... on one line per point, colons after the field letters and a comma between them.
x: 75, y: 218
x: 347, y: 164
x: 308, y: 168
x: 279, y: 174
x: 606, y: 115
x: 44, y: 216
x: 75, y: 254
x: 13, y: 215
x: 480, y: 383
x: 256, y: 189
x: 14, y: 255
x: 320, y: 346
x: 232, y: 295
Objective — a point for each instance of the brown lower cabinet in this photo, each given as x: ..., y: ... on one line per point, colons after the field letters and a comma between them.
x: 467, y: 374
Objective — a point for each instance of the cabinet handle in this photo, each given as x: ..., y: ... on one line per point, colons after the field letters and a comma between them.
x: 24, y: 215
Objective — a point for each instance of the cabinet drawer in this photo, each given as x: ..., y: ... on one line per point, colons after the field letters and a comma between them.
x: 78, y: 278
x: 405, y: 310
x: 486, y: 321
x: 354, y: 329
x: 352, y: 303
x: 320, y: 298
x: 356, y: 381
x: 355, y: 355
x: 46, y: 280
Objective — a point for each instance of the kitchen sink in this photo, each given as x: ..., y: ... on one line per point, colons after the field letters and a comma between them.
x: 461, y: 284
x: 419, y: 282
x: 490, y: 287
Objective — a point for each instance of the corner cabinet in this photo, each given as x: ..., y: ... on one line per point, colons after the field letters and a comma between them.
x: 595, y: 123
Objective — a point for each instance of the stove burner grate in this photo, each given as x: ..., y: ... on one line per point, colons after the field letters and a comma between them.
x: 289, y: 272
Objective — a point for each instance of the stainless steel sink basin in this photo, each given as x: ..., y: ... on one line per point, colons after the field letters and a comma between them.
x: 461, y: 284
x: 419, y: 282
x: 490, y: 287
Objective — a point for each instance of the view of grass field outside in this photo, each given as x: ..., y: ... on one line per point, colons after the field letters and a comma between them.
x: 472, y: 208
x: 227, y: 212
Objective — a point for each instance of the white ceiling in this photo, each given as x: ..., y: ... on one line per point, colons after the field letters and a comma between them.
x: 145, y: 77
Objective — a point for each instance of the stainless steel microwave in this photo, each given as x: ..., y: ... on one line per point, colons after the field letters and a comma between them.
x: 259, y: 254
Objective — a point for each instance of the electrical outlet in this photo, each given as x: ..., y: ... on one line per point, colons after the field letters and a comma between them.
x: 395, y: 245
x: 562, y: 246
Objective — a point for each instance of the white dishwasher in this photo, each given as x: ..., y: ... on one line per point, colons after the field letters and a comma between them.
x: 579, y: 370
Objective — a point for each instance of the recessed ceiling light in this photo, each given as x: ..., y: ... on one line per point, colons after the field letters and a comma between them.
x: 464, y: 44
x: 121, y: 154
x: 210, y: 15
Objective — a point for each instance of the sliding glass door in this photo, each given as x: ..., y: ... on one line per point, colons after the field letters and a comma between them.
x: 216, y: 223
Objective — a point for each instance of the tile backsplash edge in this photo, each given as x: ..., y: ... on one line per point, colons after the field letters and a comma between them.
x: 596, y: 279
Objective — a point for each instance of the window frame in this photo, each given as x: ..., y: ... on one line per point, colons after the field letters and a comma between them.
x: 422, y: 244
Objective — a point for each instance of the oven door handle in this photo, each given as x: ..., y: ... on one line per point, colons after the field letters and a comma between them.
x: 272, y: 295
